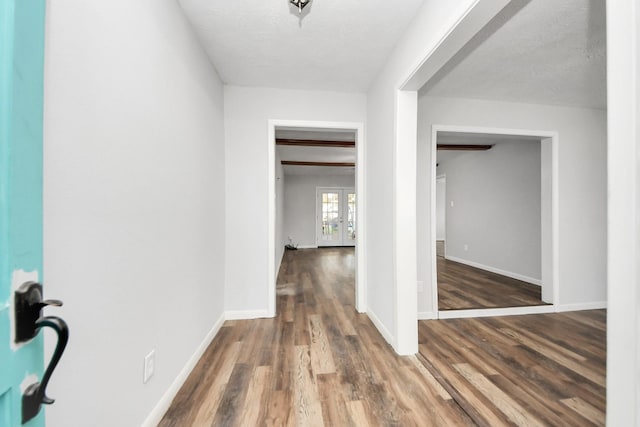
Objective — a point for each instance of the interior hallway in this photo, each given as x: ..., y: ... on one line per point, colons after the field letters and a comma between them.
x: 317, y: 363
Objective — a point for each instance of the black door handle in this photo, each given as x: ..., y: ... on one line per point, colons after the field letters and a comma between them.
x: 28, y: 315
x: 36, y: 394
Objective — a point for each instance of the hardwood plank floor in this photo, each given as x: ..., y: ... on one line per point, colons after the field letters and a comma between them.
x: 318, y: 363
x: 545, y: 369
x: 464, y: 287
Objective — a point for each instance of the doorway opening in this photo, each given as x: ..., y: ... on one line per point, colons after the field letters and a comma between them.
x: 316, y: 161
x: 500, y: 214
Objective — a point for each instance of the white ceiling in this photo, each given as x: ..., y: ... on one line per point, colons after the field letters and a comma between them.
x: 316, y: 134
x: 318, y: 170
x: 338, y: 45
x: 536, y: 51
x: 463, y: 138
x: 317, y: 154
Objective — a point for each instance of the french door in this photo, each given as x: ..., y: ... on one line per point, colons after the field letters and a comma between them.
x: 335, y: 217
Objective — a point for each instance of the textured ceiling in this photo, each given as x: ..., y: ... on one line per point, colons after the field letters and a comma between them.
x: 338, y: 45
x: 536, y: 51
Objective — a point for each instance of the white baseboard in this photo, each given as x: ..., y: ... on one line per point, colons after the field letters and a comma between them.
x: 490, y: 312
x: 246, y: 314
x: 582, y: 306
x: 516, y: 311
x: 516, y: 276
x: 307, y: 246
x: 154, y: 418
x: 381, y: 328
x: 427, y: 315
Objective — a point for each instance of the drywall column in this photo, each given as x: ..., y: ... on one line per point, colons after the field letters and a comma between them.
x: 415, y: 59
x: 623, y: 321
x: 405, y: 267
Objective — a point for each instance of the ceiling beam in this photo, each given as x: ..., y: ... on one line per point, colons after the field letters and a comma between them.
x: 314, y: 143
x: 333, y: 164
x: 464, y: 147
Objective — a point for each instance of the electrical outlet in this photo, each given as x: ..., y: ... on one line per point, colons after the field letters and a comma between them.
x: 466, y: 247
x: 149, y: 366
x: 420, y: 286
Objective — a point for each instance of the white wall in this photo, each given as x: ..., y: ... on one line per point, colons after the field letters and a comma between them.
x: 247, y: 111
x: 497, y: 207
x: 300, y: 204
x: 582, y: 184
x: 623, y: 315
x: 134, y: 209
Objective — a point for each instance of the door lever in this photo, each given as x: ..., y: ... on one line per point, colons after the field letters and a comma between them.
x: 35, y: 394
x: 29, y: 320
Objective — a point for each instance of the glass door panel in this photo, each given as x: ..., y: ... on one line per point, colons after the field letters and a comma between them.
x: 350, y: 215
x: 330, y: 218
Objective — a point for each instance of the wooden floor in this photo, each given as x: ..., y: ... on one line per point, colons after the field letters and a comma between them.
x: 535, y: 370
x: 321, y: 363
x: 317, y: 363
x: 464, y: 287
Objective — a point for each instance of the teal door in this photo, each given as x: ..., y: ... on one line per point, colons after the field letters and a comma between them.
x: 21, y: 93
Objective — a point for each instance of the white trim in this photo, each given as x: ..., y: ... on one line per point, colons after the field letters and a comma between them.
x: 381, y: 328
x: 554, y: 263
x: 246, y: 314
x: 491, y: 312
x: 155, y: 416
x: 361, y: 288
x: 307, y: 246
x: 433, y: 225
x: 271, y: 220
x: 516, y: 276
x: 598, y: 305
x: 517, y: 311
x: 361, y: 208
x: 623, y: 213
x: 427, y: 315
x: 405, y: 261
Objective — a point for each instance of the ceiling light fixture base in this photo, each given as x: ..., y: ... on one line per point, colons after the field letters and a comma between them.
x: 300, y: 4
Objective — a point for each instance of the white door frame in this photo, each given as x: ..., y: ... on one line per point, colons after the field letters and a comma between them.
x: 442, y: 177
x: 343, y: 208
x: 358, y: 127
x: 550, y: 219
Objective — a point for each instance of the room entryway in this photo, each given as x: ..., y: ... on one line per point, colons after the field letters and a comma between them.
x: 317, y: 184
